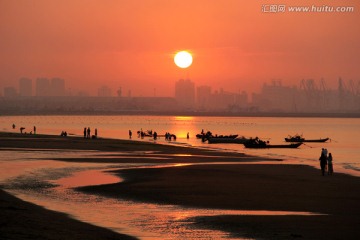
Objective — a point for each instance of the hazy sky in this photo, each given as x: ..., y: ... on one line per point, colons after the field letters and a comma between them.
x: 131, y: 43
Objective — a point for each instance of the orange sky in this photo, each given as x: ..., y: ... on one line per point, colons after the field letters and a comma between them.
x: 130, y: 44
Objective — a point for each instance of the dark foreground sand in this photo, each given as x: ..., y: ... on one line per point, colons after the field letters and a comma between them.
x: 244, y: 186
x: 23, y: 220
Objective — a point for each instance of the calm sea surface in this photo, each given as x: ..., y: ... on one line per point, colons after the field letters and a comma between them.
x: 30, y: 175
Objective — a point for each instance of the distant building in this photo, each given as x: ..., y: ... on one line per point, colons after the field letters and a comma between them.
x: 25, y: 87
x: 203, y: 97
x: 57, y: 87
x: 104, y: 91
x: 42, y: 87
x: 242, y: 100
x: 10, y: 92
x: 276, y: 98
x: 185, y: 93
x: 222, y: 100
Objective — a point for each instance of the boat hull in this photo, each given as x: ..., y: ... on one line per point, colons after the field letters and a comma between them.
x: 305, y: 140
x: 251, y: 145
x: 228, y: 140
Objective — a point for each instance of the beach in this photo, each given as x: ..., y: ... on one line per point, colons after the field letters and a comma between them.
x: 202, y: 178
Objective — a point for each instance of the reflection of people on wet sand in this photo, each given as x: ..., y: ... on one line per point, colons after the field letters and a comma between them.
x: 22, y: 129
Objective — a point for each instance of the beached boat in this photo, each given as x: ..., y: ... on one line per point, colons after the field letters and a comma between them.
x: 240, y: 140
x: 298, y: 138
x: 257, y: 143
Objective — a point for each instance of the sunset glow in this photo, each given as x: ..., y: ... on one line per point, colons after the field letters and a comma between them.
x: 239, y: 45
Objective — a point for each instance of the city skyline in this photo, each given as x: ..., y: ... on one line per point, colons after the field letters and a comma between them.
x: 131, y: 44
x: 310, y: 96
x: 56, y: 86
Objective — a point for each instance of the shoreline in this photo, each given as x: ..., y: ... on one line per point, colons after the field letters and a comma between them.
x: 242, y: 186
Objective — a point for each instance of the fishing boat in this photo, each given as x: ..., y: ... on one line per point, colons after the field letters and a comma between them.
x: 238, y: 140
x: 209, y: 135
x: 298, y: 138
x: 203, y: 135
x: 257, y: 143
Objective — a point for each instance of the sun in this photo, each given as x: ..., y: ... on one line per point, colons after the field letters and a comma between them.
x: 183, y: 59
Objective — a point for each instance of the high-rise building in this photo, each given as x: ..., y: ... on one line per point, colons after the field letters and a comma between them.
x: 185, y: 93
x: 57, y: 87
x: 25, y: 87
x: 42, y: 87
x: 203, y: 96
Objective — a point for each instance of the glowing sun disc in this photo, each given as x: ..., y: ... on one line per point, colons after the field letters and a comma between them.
x: 183, y: 59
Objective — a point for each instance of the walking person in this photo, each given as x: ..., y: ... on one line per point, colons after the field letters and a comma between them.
x: 84, y: 132
x: 330, y: 164
x: 88, y: 132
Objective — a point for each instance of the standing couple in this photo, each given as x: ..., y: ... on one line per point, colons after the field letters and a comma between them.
x: 326, y: 162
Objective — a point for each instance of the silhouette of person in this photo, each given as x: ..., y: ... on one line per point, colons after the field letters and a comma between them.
x: 34, y: 129
x: 22, y: 129
x: 96, y: 132
x: 13, y: 126
x: 84, y: 132
x: 330, y: 164
x: 130, y: 134
x: 88, y: 132
x: 155, y: 135
x: 323, y: 162
x: 187, y: 136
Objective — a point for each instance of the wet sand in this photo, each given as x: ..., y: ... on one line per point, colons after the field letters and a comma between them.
x: 252, y: 187
x: 225, y: 186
